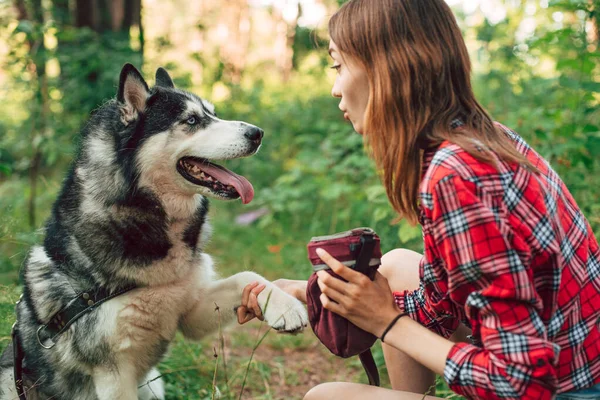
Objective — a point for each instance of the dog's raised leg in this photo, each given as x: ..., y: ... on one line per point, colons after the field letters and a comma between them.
x: 283, y: 312
x: 152, y: 387
x: 115, y: 383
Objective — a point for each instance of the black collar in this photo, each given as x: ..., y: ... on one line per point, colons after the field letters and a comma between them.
x: 80, y: 305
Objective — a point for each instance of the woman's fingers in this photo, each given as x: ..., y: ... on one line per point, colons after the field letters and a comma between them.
x: 332, y: 282
x: 249, y: 309
x: 347, y: 273
x: 253, y: 301
x: 246, y: 292
x: 242, y: 315
x: 382, y: 281
x: 332, y: 305
x: 331, y: 287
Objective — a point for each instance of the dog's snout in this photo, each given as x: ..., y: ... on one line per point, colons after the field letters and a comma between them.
x: 254, y: 133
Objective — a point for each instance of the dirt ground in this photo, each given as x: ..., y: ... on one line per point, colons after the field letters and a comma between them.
x: 292, y: 367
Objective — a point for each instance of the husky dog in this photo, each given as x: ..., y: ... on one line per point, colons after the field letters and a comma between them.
x: 133, y: 213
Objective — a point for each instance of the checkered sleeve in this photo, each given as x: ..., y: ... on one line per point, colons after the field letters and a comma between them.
x: 416, y: 304
x: 487, y: 262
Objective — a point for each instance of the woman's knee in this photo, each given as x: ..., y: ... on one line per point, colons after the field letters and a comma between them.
x: 401, y: 268
x: 323, y: 391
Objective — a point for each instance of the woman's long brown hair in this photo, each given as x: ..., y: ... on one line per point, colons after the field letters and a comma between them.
x: 419, y: 74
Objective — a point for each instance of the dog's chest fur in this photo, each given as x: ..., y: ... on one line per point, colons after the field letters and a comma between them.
x: 152, y: 313
x: 142, y: 322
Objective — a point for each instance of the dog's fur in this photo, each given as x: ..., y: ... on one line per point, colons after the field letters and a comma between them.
x: 125, y: 215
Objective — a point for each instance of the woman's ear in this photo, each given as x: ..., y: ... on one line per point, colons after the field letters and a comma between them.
x: 133, y: 93
x: 163, y: 79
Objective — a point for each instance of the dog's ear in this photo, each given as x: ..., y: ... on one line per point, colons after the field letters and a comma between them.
x: 133, y: 93
x: 163, y: 79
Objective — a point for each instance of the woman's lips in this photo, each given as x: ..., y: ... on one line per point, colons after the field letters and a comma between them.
x: 346, y: 117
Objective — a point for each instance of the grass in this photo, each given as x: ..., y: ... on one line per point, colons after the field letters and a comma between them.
x: 240, y: 362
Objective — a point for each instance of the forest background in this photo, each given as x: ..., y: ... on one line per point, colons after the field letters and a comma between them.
x: 535, y: 68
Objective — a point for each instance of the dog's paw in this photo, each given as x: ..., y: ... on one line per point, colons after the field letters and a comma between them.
x: 282, y: 312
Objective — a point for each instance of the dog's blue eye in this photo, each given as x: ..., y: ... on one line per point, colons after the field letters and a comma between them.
x: 191, y: 121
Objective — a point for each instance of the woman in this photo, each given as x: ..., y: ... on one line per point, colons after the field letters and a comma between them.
x: 508, y: 254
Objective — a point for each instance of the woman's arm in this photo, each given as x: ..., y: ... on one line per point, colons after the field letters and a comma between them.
x: 294, y: 288
x: 420, y: 343
x: 488, y: 261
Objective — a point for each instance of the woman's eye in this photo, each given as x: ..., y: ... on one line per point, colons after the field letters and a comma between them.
x: 191, y: 121
x: 336, y: 67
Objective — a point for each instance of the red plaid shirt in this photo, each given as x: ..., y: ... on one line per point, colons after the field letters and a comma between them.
x: 509, y: 254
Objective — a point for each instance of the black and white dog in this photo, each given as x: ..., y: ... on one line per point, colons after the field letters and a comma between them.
x: 131, y: 217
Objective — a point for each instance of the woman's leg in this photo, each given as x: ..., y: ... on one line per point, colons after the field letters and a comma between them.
x: 401, y: 268
x: 356, y: 391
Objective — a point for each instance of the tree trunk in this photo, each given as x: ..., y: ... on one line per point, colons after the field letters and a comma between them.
x: 21, y: 9
x: 39, y: 114
x: 61, y: 13
x: 140, y: 24
x: 39, y: 59
x: 105, y: 15
x: 108, y: 15
x: 116, y: 14
x: 131, y: 15
x: 85, y: 13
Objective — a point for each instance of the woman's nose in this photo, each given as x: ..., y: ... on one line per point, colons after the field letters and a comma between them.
x: 335, y: 92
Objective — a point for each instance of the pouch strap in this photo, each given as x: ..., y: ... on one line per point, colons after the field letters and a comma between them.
x: 368, y: 363
x: 362, y: 265
x: 366, y: 251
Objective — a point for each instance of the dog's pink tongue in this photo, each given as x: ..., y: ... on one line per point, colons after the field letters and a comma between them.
x: 241, y: 184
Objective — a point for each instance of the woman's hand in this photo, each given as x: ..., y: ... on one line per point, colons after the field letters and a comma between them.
x: 249, y: 309
x: 367, y: 304
x: 294, y: 288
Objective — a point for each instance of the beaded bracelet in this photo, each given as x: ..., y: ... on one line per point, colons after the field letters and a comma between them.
x: 392, y: 324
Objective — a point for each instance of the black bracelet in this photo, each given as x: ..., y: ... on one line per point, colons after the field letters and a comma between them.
x: 392, y: 324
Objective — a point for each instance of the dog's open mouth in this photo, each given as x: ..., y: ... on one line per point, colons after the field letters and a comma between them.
x: 221, y: 181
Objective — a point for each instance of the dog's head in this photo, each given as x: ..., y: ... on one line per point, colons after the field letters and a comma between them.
x: 178, y: 139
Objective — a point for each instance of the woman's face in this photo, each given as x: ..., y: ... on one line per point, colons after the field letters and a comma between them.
x: 351, y: 87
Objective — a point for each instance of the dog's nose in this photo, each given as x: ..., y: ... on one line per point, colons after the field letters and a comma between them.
x: 254, y: 133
